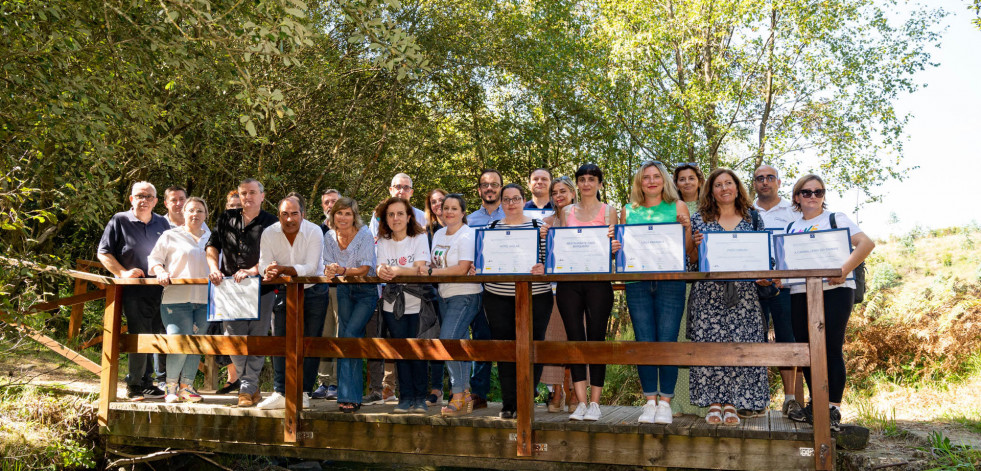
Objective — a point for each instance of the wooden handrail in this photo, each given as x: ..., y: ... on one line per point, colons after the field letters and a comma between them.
x: 523, y: 351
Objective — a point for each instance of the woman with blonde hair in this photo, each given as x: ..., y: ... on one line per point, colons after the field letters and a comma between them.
x: 656, y: 307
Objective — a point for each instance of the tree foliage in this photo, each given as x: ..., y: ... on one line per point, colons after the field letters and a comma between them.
x: 345, y: 93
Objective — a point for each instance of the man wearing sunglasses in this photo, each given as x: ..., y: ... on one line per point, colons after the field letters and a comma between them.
x: 776, y: 213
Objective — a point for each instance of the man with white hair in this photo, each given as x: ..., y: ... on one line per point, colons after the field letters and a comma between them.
x: 123, y: 250
x: 401, y: 187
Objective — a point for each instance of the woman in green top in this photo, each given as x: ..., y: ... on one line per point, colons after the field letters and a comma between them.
x: 689, y: 180
x: 656, y: 307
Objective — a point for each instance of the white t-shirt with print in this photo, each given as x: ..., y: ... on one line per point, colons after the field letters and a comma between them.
x: 822, y: 223
x: 403, y: 253
x: 448, y: 251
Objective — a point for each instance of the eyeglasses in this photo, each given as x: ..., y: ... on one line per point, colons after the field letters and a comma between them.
x: 819, y: 193
x: 484, y: 186
x: 402, y: 187
x: 762, y: 178
x: 515, y: 200
x: 143, y: 197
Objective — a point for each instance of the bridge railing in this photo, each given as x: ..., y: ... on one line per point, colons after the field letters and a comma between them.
x: 524, y: 351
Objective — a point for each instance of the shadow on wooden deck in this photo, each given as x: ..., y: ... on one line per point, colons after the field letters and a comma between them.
x: 376, y: 435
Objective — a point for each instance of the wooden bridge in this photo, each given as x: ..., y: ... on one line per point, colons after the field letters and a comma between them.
x: 535, y: 440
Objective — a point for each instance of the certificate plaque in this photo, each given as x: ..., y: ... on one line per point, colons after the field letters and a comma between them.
x: 579, y: 250
x: 231, y: 301
x: 506, y: 251
x: 734, y: 251
x: 813, y: 250
x: 651, y: 248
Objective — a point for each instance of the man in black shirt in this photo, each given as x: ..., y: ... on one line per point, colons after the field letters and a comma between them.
x: 236, y: 237
x: 126, y: 242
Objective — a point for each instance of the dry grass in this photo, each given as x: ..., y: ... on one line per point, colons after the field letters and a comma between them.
x: 922, y: 318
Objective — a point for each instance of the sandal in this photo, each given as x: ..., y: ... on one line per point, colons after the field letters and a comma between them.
x: 714, y: 416
x: 457, y: 407
x: 555, y: 402
x: 730, y: 417
x: 348, y: 407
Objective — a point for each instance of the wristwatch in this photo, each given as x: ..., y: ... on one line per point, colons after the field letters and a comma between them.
x: 430, y: 271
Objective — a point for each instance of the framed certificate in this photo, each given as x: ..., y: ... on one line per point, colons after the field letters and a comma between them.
x: 813, y: 250
x: 734, y: 251
x: 538, y: 213
x: 774, y: 232
x: 506, y: 251
x: 651, y: 248
x: 578, y: 250
x: 231, y: 301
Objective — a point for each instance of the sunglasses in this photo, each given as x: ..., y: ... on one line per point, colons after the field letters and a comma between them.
x: 648, y: 163
x: 687, y: 164
x: 819, y: 193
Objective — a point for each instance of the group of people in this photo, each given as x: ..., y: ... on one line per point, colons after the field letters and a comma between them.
x: 401, y: 240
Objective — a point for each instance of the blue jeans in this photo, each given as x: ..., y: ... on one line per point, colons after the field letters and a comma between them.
x: 436, y: 367
x: 655, y: 309
x: 355, y: 306
x: 411, y: 373
x: 779, y: 307
x: 180, y: 319
x: 458, y: 312
x: 480, y: 330
x: 315, y: 299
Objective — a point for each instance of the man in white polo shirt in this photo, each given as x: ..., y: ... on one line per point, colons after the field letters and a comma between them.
x: 777, y: 213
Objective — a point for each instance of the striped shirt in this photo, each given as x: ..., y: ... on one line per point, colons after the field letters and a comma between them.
x: 507, y: 289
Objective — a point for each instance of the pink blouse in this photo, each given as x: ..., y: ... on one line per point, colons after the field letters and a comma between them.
x: 599, y: 220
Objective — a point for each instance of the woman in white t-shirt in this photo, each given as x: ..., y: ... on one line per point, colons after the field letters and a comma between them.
x: 180, y: 253
x: 839, y: 293
x: 401, y: 250
x: 452, y: 255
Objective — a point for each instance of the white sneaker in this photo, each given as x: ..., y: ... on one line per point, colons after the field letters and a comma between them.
x: 593, y: 412
x: 306, y: 401
x: 171, y: 393
x: 648, y: 413
x: 274, y: 401
x: 662, y: 414
x: 579, y: 413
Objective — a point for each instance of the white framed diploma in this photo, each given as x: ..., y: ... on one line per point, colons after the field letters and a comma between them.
x: 734, y: 251
x: 231, y: 301
x: 813, y: 250
x: 538, y: 213
x: 585, y: 249
x: 650, y: 248
x: 506, y: 251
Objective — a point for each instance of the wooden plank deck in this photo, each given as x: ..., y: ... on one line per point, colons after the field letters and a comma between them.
x: 375, y: 435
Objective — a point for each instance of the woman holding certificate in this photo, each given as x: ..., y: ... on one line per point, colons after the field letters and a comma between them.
x: 839, y: 293
x: 401, y: 250
x: 563, y: 193
x: 452, y: 255
x: 499, y: 298
x: 725, y: 311
x: 179, y: 253
x: 656, y: 307
x: 589, y: 300
x: 349, y: 250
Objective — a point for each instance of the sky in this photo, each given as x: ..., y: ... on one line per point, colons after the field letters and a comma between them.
x: 944, y: 141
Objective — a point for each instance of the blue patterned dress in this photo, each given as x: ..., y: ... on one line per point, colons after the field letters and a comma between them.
x: 713, y: 321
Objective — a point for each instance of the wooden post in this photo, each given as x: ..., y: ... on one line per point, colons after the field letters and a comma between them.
x: 211, y: 374
x: 75, y: 321
x: 524, y: 366
x: 110, y: 351
x: 294, y: 361
x: 823, y: 458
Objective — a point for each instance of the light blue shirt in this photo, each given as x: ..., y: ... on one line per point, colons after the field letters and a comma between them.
x: 481, y: 217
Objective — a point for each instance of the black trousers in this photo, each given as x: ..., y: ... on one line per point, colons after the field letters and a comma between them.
x: 142, y: 314
x: 838, y: 304
x: 591, y: 301
x: 501, y: 317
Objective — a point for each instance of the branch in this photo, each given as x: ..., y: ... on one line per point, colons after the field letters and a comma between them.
x: 159, y: 455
